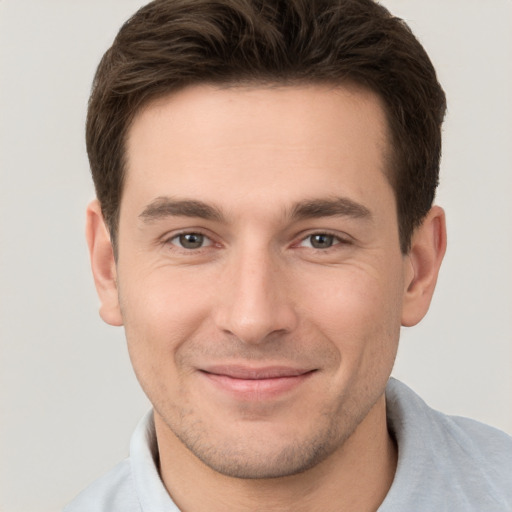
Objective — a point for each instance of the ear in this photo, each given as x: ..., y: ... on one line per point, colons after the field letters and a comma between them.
x: 103, y: 264
x: 428, y: 246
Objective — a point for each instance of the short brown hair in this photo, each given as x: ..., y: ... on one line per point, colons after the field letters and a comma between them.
x: 169, y: 44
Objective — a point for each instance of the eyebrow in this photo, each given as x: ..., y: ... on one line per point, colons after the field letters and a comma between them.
x: 163, y: 207
x: 331, y: 207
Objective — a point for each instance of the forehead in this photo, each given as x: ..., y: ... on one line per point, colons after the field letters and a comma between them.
x: 251, y: 143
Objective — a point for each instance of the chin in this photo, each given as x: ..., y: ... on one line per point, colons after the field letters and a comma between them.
x: 252, y: 453
x: 290, y: 460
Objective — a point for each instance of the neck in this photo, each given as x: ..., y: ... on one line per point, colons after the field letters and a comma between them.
x: 356, y: 477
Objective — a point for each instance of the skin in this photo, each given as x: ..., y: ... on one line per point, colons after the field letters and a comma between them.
x: 257, y: 235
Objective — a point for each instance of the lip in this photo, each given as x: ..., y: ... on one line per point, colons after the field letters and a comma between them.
x: 256, y: 383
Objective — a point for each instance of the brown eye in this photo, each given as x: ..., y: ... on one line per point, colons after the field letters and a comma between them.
x: 321, y: 241
x: 190, y: 240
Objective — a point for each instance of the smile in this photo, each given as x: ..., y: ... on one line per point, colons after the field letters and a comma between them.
x: 247, y: 383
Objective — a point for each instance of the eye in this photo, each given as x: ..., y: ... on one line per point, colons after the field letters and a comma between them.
x: 191, y: 241
x: 320, y: 241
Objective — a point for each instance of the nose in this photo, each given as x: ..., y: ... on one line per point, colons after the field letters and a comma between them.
x: 254, y: 303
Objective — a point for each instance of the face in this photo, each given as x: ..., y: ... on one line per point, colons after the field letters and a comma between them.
x: 260, y: 278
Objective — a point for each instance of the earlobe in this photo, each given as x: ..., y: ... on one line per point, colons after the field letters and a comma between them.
x: 428, y: 247
x: 103, y: 264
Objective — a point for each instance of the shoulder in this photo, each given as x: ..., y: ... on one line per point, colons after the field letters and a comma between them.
x: 134, y: 484
x: 408, y: 413
x: 113, y: 492
x: 481, y: 455
x: 482, y: 442
x: 406, y: 408
x: 456, y: 463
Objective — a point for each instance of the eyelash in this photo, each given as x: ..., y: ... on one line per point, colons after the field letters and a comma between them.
x: 337, y: 240
x: 177, y: 236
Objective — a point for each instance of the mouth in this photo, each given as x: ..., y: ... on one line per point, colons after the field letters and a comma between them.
x: 256, y: 383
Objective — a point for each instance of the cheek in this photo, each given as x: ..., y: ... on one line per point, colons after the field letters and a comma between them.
x: 347, y: 295
x: 358, y: 311
x: 160, y: 311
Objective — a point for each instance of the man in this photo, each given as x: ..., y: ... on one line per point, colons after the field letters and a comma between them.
x: 265, y: 173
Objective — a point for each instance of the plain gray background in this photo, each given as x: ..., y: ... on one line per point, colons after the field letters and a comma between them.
x: 69, y: 401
